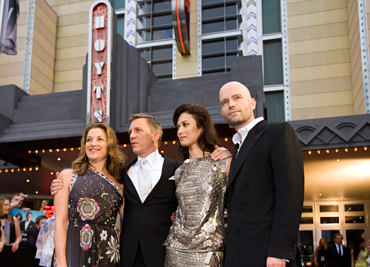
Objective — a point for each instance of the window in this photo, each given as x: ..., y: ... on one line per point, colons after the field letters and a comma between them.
x: 220, y: 15
x: 160, y: 60
x: 275, y: 106
x: 154, y: 20
x: 271, y: 16
x: 118, y: 4
x: 218, y: 53
x: 272, y: 62
x: 121, y: 25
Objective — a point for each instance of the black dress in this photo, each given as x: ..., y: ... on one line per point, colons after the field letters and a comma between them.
x: 321, y: 257
x: 94, y: 201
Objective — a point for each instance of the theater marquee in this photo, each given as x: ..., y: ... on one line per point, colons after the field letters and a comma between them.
x: 99, y: 63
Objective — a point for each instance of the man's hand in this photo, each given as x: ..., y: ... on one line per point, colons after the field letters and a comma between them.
x: 173, y: 216
x: 220, y: 153
x: 56, y: 185
x: 275, y: 262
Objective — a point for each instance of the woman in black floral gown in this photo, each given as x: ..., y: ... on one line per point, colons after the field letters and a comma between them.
x: 86, y: 209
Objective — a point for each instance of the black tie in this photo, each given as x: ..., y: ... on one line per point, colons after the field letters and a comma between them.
x: 236, y: 148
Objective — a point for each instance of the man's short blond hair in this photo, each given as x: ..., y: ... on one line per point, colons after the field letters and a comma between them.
x: 153, y: 123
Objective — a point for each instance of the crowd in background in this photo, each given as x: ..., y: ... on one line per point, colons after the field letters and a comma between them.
x: 34, y: 231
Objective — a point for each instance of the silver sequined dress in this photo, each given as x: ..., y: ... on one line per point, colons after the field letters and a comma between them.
x: 196, y: 237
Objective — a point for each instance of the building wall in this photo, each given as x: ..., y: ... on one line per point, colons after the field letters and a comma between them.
x: 11, y: 67
x: 186, y: 66
x: 321, y: 76
x: 355, y: 54
x: 71, y: 42
x: 43, y: 49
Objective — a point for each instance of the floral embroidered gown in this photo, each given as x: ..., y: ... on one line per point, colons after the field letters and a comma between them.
x: 94, y: 201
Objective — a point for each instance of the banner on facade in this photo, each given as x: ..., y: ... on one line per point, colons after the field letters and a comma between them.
x: 8, y: 35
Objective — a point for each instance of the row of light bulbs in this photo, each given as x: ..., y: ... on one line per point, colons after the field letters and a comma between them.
x: 355, y: 149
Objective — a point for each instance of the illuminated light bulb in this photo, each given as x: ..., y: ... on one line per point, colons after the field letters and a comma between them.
x: 27, y: 180
x: 1, y: 171
x: 29, y: 151
x: 24, y: 169
x: 51, y: 173
x: 337, y: 150
x: 309, y: 152
x: 36, y: 192
x: 30, y: 169
x: 173, y: 142
x: 226, y: 139
x: 320, y: 194
x: 125, y: 145
x: 327, y: 151
x: 365, y: 148
x: 12, y: 170
x: 346, y: 149
x: 50, y: 150
x: 337, y: 159
x: 6, y: 170
x: 64, y: 149
x: 79, y: 148
x: 59, y: 159
x: 318, y: 151
x: 355, y: 149
x: 36, y: 151
x: 43, y: 151
x: 162, y: 151
x: 165, y: 142
x: 360, y: 178
x: 18, y: 170
x: 72, y: 149
x: 37, y: 168
x: 57, y: 150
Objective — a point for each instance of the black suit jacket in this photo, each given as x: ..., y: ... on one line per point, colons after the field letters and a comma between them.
x: 148, y: 223
x: 334, y: 260
x: 265, y: 197
x: 30, y: 234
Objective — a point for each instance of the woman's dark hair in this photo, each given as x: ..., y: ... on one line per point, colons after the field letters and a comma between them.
x: 208, y: 138
x: 356, y: 246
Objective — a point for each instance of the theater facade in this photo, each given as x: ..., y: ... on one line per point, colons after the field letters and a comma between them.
x: 305, y: 62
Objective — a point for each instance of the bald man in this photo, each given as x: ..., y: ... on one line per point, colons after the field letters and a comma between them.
x: 266, y: 186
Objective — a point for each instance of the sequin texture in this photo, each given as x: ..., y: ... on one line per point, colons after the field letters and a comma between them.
x: 199, y: 224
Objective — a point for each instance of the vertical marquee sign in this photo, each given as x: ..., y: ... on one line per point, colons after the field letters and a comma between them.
x: 181, y: 24
x: 99, y: 63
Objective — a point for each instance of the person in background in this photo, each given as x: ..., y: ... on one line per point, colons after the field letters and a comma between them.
x: 40, y: 221
x: 368, y: 253
x: 2, y: 238
x: 17, y: 203
x: 19, y: 217
x: 320, y: 253
x: 29, y: 232
x: 43, y: 204
x: 358, y: 253
x: 10, y: 225
x: 338, y: 255
x: 45, y: 243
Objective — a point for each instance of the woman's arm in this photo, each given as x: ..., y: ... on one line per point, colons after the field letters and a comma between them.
x: 2, y: 238
x: 18, y: 236
x: 61, y: 218
x: 352, y: 259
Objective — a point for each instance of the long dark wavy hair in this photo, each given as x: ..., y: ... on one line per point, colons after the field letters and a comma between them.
x: 115, y: 160
x: 208, y: 138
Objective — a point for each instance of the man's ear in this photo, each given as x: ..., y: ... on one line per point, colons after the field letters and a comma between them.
x: 253, y: 103
x: 156, y: 136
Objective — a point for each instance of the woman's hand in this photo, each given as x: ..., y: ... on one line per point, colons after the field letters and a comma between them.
x: 14, y: 246
x: 221, y: 153
x: 1, y: 246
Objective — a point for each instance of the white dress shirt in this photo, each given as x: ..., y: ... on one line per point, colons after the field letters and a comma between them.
x: 244, y: 132
x: 154, y: 166
x: 339, y: 248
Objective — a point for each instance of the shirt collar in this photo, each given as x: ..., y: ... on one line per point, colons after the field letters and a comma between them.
x: 151, y: 158
x: 245, y: 130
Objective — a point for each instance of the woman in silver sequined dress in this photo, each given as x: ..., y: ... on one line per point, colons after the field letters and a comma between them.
x: 196, y: 237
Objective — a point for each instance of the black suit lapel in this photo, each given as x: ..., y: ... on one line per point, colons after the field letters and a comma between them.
x: 128, y: 183
x: 167, y: 172
x: 253, y: 135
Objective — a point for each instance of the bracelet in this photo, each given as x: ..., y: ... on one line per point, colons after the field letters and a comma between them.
x: 16, y: 241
